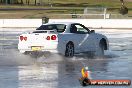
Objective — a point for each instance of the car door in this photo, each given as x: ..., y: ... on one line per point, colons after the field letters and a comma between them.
x: 80, y: 37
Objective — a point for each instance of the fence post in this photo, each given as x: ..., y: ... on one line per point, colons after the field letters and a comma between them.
x: 105, y: 11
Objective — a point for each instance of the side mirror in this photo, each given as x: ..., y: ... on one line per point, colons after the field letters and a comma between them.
x: 92, y: 31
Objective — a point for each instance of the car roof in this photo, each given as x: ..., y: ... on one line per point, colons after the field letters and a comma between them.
x: 66, y: 23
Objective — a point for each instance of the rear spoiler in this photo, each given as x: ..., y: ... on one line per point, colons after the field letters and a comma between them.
x: 41, y: 31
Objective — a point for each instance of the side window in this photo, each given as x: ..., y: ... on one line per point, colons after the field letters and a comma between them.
x: 81, y: 29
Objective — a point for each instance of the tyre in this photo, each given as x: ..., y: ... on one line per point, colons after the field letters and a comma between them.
x: 100, y: 50
x: 69, y: 50
x: 101, y: 47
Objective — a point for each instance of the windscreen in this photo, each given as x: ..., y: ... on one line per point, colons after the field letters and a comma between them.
x: 57, y: 27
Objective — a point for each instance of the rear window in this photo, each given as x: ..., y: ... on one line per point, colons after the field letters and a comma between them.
x: 58, y: 27
x: 39, y: 31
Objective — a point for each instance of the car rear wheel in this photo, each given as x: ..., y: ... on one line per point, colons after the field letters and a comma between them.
x: 69, y: 50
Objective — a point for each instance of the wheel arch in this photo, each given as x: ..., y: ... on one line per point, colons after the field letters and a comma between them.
x: 69, y: 42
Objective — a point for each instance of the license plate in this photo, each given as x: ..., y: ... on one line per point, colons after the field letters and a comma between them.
x: 36, y: 48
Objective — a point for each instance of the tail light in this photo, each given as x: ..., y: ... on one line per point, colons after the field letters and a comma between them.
x: 23, y: 38
x: 53, y: 37
x: 48, y: 38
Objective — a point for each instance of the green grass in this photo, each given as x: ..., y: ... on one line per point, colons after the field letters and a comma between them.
x: 82, y: 3
x: 69, y: 5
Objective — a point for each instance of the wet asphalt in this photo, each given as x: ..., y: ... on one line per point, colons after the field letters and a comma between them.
x: 44, y: 70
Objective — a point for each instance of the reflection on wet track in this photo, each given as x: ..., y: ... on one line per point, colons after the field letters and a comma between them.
x: 44, y: 70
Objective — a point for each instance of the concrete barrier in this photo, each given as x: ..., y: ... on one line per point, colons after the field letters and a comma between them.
x: 100, y: 23
x: 20, y: 22
x: 92, y: 23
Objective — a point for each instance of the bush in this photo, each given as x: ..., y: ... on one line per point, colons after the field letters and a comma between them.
x: 123, y: 10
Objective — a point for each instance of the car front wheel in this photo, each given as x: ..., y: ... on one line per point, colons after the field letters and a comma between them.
x: 100, y: 50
